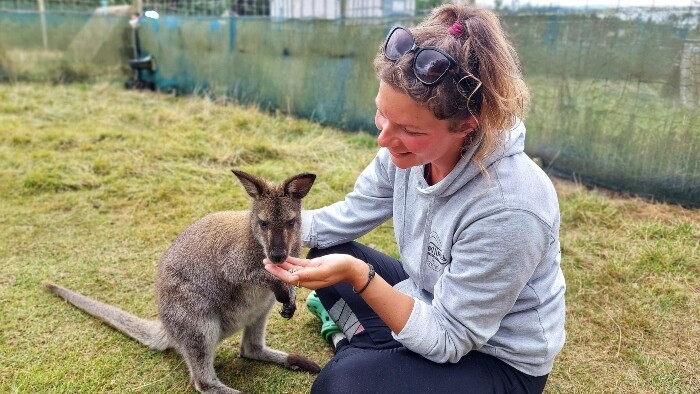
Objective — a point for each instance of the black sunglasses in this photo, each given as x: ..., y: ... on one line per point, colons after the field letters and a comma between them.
x: 430, y: 64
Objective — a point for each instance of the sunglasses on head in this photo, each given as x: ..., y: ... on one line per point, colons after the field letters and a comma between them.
x: 430, y: 64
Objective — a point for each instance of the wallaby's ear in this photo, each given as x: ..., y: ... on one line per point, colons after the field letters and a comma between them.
x: 299, y: 185
x: 251, y: 184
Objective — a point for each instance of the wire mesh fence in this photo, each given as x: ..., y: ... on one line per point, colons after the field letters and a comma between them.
x: 302, y: 9
x: 85, y: 6
x: 616, y: 92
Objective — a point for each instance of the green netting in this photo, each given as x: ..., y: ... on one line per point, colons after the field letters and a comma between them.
x: 616, y: 101
x: 64, y: 47
x: 283, y: 65
x: 5, y: 66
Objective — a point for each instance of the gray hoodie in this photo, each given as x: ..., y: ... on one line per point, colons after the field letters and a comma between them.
x: 482, y: 253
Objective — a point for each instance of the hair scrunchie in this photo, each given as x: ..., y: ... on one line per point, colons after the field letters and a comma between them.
x: 457, y: 29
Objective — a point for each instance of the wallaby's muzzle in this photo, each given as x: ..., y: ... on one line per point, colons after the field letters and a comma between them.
x: 277, y: 256
x: 278, y: 251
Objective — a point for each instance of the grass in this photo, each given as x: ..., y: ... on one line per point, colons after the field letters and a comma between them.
x: 95, y: 182
x: 42, y: 65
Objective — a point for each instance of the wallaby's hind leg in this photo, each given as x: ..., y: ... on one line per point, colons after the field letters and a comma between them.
x: 198, y: 349
x: 253, y: 343
x: 253, y: 347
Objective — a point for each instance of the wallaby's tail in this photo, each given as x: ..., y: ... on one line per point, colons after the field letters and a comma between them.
x: 148, y: 332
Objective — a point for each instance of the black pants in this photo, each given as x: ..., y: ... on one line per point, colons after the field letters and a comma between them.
x: 372, y: 361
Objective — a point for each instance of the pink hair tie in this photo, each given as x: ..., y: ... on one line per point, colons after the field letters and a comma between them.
x: 457, y: 29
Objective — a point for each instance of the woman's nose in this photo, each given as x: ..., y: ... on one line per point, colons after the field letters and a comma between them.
x: 387, y: 133
x: 384, y: 137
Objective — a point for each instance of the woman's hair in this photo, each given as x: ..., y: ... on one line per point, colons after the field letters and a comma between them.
x: 484, y: 54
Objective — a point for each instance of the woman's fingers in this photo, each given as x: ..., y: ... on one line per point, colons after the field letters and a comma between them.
x: 294, y: 262
x: 277, y: 270
x: 287, y: 272
x: 309, y: 273
x: 303, y: 262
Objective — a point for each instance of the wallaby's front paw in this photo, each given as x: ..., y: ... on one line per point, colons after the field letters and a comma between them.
x: 288, y: 310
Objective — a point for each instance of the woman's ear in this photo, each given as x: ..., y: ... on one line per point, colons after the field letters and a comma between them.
x: 468, y: 125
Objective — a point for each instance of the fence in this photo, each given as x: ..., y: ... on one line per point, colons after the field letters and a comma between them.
x: 310, y: 9
x: 615, y: 92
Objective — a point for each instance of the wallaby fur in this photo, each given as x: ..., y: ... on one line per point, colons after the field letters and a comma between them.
x: 211, y: 282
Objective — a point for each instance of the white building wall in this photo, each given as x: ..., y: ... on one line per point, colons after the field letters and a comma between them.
x: 364, y: 8
x: 331, y: 9
x: 305, y: 9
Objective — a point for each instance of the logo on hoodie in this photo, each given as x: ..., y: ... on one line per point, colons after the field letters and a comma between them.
x: 436, y: 260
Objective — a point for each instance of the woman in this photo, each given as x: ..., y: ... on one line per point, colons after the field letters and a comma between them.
x: 476, y: 302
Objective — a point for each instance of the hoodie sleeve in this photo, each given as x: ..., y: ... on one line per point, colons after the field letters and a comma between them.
x: 491, y: 263
x: 366, y: 207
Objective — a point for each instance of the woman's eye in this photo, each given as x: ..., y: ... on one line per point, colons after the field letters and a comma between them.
x: 262, y: 223
x: 290, y: 223
x: 412, y: 133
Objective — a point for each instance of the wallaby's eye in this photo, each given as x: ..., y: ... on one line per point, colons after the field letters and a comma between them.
x: 262, y: 223
x: 291, y: 222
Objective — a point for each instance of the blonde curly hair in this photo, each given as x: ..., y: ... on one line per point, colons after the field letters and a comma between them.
x: 488, y: 85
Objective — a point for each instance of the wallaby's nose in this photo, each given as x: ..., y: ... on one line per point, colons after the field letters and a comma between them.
x: 277, y: 256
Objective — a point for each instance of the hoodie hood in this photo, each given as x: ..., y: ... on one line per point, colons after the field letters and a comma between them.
x: 512, y: 142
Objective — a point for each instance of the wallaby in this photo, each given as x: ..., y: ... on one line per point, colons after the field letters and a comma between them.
x: 211, y: 282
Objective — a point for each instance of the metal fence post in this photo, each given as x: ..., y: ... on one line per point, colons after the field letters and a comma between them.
x: 42, y: 17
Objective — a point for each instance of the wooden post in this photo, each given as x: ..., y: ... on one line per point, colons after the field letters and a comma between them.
x: 42, y: 18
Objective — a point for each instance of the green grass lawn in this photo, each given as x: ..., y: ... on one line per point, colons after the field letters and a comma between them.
x: 95, y: 182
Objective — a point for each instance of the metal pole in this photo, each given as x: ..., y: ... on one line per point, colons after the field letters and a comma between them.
x: 42, y: 17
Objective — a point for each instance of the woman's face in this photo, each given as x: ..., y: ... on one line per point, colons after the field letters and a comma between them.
x: 413, y: 135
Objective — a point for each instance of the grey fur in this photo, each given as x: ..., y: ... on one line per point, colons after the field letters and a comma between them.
x: 211, y: 283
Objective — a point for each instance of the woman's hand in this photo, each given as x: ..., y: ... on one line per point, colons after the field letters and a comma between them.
x: 391, y: 305
x: 316, y: 273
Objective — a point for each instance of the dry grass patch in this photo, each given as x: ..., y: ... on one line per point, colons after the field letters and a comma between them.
x: 633, y: 274
x: 95, y: 182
